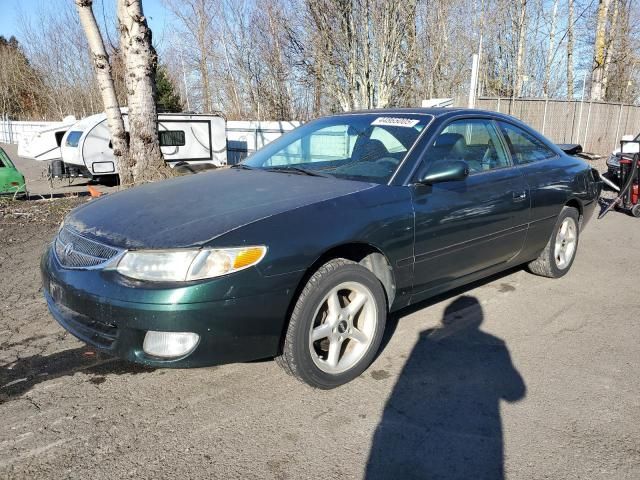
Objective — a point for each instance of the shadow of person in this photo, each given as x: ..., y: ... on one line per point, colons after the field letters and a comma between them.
x: 442, y: 420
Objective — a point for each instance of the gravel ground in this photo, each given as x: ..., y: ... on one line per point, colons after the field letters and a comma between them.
x: 517, y: 376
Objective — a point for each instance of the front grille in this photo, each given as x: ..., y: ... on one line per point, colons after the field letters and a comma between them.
x: 76, y: 251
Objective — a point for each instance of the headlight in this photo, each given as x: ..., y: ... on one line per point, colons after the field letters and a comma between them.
x: 186, y: 265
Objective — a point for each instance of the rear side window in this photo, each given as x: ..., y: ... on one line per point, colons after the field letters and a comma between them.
x: 73, y: 138
x: 525, y: 148
x: 172, y: 138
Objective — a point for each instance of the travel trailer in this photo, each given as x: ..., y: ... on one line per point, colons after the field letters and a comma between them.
x: 44, y: 144
x: 197, y: 139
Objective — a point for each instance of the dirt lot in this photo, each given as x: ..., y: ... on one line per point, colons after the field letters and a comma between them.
x: 546, y: 370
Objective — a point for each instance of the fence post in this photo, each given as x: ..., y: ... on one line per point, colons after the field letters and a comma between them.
x: 544, y: 115
x: 586, y: 130
x: 498, y: 103
x: 579, y: 121
x: 615, y: 140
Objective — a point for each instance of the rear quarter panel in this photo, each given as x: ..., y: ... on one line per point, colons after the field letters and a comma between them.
x: 553, y: 183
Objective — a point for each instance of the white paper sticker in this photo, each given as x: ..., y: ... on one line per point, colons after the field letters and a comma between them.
x: 395, y: 122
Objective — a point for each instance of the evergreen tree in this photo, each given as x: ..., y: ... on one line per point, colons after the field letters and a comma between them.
x: 168, y: 98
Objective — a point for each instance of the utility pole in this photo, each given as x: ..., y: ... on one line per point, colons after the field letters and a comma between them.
x: 473, y: 87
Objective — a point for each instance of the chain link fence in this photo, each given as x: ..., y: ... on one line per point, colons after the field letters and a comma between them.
x: 597, y: 126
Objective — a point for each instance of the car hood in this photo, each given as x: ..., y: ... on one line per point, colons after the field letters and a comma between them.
x: 193, y: 210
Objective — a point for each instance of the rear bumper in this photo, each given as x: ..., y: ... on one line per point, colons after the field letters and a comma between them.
x: 230, y: 330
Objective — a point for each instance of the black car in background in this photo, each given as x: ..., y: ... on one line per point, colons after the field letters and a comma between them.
x: 301, y: 252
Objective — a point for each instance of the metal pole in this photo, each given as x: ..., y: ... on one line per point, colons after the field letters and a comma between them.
x: 544, y: 115
x: 474, y: 81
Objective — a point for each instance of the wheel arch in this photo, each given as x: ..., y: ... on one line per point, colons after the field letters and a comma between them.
x: 367, y: 255
x: 363, y: 253
x: 577, y: 204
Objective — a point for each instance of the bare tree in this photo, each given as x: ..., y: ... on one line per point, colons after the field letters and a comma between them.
x: 107, y: 89
x: 521, y: 27
x: 296, y: 59
x: 141, y: 63
x: 196, y: 18
x: 599, y: 52
x: 365, y: 48
x: 551, y: 50
x: 610, y: 46
x: 570, y: 30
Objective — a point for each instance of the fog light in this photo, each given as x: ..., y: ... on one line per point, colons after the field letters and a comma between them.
x: 169, y: 344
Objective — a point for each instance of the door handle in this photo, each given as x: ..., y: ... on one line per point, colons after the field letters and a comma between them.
x: 520, y: 196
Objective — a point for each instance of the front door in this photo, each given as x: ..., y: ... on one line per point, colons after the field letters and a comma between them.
x: 463, y: 227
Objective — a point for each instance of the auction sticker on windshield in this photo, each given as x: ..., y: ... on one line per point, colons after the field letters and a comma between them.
x: 395, y: 122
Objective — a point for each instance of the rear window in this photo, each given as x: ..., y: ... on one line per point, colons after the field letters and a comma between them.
x: 73, y: 139
x: 172, y: 138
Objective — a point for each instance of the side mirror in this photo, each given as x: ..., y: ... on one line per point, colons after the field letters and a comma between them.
x: 446, y: 172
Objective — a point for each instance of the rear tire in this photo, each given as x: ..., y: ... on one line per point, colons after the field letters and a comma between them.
x: 558, y: 255
x: 336, y: 326
x: 635, y: 211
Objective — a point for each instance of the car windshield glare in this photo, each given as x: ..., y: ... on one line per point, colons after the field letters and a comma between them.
x: 362, y: 147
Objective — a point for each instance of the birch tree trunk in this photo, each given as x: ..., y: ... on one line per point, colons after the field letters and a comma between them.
x: 141, y: 62
x: 550, y: 53
x: 597, y: 75
x: 104, y: 79
x: 522, y: 30
x: 609, y: 49
x: 570, y: 51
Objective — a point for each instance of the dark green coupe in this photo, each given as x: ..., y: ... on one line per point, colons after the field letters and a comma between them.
x: 301, y: 251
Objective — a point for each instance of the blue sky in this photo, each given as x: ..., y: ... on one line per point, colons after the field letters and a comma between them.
x: 10, y: 10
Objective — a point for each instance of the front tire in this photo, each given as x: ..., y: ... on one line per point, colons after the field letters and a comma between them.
x: 559, y: 253
x: 336, y: 326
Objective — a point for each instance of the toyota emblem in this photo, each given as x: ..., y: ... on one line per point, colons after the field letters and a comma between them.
x: 68, y: 250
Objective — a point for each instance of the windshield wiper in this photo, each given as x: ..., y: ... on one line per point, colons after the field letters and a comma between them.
x: 298, y: 170
x: 242, y: 166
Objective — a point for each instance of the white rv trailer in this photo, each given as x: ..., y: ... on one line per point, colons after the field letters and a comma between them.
x: 245, y: 137
x: 184, y: 137
x: 44, y: 144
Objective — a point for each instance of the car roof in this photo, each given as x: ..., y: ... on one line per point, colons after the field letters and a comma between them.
x: 434, y: 111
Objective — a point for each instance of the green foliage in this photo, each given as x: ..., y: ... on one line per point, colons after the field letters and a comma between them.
x: 168, y: 97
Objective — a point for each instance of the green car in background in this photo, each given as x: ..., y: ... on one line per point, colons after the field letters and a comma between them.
x: 11, y: 180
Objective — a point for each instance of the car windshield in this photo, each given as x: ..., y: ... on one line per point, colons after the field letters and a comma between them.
x: 363, y: 147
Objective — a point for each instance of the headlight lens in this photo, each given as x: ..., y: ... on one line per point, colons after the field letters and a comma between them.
x: 187, y: 265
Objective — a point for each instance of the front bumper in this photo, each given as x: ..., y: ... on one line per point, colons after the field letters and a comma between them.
x: 231, y: 329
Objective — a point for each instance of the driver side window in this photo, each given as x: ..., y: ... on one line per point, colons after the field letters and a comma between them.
x: 475, y: 141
